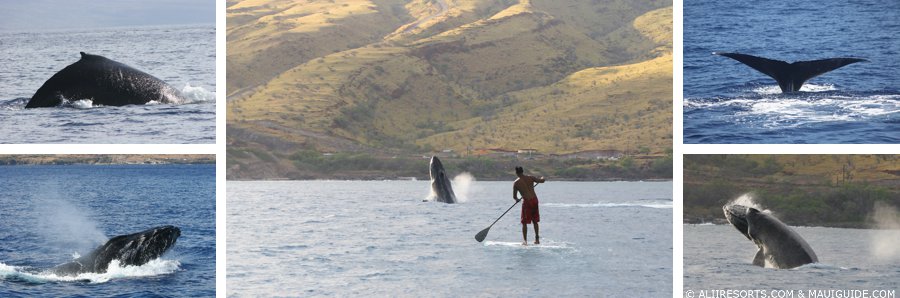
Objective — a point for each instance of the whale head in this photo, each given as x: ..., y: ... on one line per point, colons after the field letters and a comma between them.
x: 737, y: 215
x: 130, y: 250
x: 139, y: 248
x: 436, y: 168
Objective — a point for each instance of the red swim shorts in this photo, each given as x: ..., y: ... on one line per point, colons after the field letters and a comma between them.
x: 530, y: 211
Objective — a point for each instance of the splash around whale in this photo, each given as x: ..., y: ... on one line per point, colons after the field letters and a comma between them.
x: 104, y: 82
x: 128, y: 250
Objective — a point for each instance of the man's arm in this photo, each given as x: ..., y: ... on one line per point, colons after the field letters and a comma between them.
x: 515, y: 190
x: 538, y: 180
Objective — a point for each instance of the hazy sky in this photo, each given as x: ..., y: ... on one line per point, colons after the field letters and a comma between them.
x: 21, y: 15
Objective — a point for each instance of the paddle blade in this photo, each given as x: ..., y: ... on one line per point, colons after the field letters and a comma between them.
x: 480, y: 236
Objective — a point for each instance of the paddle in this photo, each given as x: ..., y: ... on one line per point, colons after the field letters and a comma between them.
x: 480, y: 236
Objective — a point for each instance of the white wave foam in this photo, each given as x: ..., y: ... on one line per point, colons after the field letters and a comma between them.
x: 13, y: 104
x: 659, y: 205
x: 545, y: 245
x: 781, y: 112
x: 775, y: 89
x: 83, y: 104
x: 818, y: 266
x: 197, y: 94
x: 115, y: 271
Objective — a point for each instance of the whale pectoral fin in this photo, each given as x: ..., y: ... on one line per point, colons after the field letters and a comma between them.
x: 759, y: 259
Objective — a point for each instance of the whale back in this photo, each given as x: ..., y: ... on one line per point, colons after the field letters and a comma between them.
x: 105, y: 82
x: 791, y: 76
x: 132, y: 249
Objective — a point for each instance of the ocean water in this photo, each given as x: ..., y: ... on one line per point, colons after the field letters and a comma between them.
x: 718, y: 257
x: 182, y: 56
x: 49, y: 214
x: 729, y: 102
x: 378, y: 238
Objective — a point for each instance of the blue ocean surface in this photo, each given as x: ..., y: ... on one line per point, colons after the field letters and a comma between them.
x: 182, y: 56
x: 729, y: 102
x: 49, y: 214
x: 719, y: 257
x: 378, y: 238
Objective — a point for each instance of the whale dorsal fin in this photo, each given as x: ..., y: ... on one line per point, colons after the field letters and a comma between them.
x: 90, y: 56
x: 791, y: 76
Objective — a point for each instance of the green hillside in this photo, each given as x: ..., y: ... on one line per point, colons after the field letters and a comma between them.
x: 829, y: 190
x: 416, y: 77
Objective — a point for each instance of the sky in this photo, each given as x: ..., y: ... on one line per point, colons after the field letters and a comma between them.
x: 22, y: 15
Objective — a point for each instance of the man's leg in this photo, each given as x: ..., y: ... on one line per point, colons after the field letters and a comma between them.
x: 537, y: 236
x: 524, y: 234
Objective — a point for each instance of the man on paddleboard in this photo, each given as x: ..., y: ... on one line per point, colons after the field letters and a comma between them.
x: 525, y: 186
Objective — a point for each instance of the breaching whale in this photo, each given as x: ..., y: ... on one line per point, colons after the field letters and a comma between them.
x: 440, y: 184
x: 132, y: 249
x: 790, y: 76
x: 104, y: 82
x: 779, y: 245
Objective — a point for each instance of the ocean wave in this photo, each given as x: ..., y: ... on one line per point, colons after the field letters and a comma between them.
x: 820, y: 266
x: 658, y: 205
x: 115, y: 271
x: 789, y: 111
x: 552, y: 245
x: 775, y: 89
x: 14, y: 104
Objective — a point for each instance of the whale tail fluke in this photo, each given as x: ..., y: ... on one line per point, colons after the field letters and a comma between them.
x: 790, y: 76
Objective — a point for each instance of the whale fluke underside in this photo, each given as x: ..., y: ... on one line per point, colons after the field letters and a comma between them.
x: 790, y: 76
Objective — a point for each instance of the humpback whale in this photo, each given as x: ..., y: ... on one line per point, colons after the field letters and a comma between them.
x: 790, y: 76
x: 105, y: 82
x: 779, y: 246
x: 132, y: 249
x: 440, y: 184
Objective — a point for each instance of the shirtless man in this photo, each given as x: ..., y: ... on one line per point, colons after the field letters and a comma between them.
x: 525, y: 186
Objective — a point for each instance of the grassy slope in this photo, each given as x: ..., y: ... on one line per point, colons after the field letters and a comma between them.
x: 617, y: 107
x: 836, y: 190
x: 267, y: 37
x: 456, y: 76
